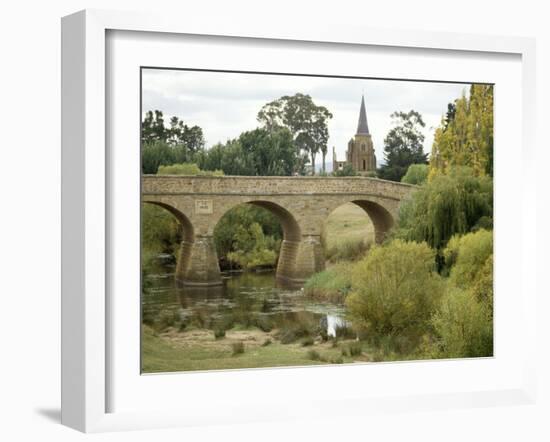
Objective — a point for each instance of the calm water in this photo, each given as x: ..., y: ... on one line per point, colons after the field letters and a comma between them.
x: 244, y: 300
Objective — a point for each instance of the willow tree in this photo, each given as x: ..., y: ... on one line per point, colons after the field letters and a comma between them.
x: 449, y: 204
x: 465, y: 135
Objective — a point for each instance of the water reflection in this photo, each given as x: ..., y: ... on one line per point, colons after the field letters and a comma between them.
x: 244, y: 300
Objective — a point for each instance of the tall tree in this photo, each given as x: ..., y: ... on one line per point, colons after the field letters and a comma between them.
x: 153, y: 129
x: 465, y: 136
x: 403, y: 145
x: 307, y: 123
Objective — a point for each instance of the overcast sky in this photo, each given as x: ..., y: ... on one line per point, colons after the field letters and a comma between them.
x: 226, y: 104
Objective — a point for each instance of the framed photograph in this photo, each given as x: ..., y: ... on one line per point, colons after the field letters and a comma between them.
x: 266, y: 224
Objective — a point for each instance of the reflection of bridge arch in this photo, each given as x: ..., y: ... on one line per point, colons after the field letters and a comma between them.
x: 301, y: 204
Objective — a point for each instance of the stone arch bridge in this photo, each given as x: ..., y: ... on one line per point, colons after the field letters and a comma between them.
x: 300, y: 203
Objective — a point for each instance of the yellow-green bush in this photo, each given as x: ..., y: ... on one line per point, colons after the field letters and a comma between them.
x: 395, y: 290
x: 464, y: 325
x: 466, y: 257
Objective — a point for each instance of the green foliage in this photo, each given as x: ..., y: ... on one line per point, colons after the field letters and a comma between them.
x: 298, y: 328
x: 256, y: 152
x: 153, y: 129
x: 162, y: 145
x: 160, y: 231
x: 395, y: 290
x: 234, y: 234
x: 416, y: 174
x: 307, y: 123
x: 403, y: 145
x: 466, y: 255
x: 465, y: 136
x: 352, y: 349
x: 464, y: 325
x: 332, y: 284
x: 447, y: 205
x: 347, y: 250
x: 159, y: 153
x: 347, y: 170
x: 186, y: 169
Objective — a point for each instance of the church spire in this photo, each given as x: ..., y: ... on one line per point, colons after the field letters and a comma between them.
x: 362, y: 126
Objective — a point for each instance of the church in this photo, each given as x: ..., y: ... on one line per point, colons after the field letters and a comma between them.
x: 360, y: 153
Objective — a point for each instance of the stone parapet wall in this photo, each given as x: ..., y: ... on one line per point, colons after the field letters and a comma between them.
x: 239, y: 185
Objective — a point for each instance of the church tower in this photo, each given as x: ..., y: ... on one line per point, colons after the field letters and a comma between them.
x: 360, y: 152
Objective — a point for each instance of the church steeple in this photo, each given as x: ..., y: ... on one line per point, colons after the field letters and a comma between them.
x: 362, y: 126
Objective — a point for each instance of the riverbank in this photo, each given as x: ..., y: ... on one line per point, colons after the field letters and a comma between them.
x: 198, y: 349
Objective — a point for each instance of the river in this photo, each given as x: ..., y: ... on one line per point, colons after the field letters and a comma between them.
x: 244, y: 300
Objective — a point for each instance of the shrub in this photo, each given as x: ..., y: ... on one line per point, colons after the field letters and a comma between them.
x: 354, y: 349
x: 416, y: 174
x: 186, y: 169
x: 238, y: 348
x: 466, y: 255
x: 266, y: 343
x: 301, y: 328
x: 313, y: 355
x: 395, y: 290
x: 464, y: 325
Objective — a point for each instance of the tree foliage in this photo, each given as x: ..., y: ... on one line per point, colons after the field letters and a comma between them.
x: 253, y: 249
x: 160, y: 231
x: 165, y: 145
x: 153, y: 129
x: 464, y: 325
x: 307, y: 122
x: 255, y: 152
x: 416, y: 174
x: 234, y: 232
x: 395, y: 290
x: 465, y: 136
x: 448, y: 205
x: 403, y: 145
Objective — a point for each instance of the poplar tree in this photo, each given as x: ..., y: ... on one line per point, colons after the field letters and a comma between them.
x: 465, y: 136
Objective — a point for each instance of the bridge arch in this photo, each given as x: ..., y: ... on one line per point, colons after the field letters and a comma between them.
x: 186, y: 245
x: 381, y: 218
x: 291, y: 234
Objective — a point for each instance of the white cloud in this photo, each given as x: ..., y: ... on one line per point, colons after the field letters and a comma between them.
x: 226, y: 104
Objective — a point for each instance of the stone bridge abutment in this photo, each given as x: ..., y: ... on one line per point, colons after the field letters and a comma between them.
x: 300, y: 203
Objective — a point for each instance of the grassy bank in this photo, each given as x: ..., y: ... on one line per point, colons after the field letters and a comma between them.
x: 347, y: 233
x: 332, y: 284
x: 199, y: 350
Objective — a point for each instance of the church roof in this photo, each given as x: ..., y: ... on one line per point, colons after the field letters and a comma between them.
x: 362, y: 126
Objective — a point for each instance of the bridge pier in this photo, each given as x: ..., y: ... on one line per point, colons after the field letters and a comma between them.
x: 198, y: 262
x: 310, y: 258
x: 287, y: 259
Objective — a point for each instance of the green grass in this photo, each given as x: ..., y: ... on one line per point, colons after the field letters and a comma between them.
x: 347, y: 224
x: 161, y: 353
x: 331, y: 285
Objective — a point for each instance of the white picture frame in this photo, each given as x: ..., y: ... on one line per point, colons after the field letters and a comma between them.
x: 86, y: 357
